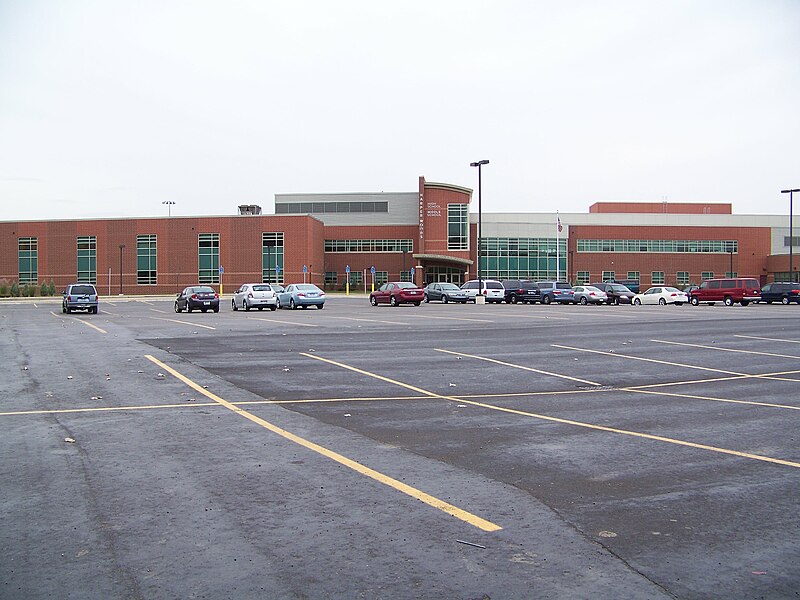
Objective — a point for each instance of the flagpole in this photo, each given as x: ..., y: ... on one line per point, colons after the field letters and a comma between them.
x: 558, y: 246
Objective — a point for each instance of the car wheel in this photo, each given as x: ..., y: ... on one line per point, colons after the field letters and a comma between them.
x: 426, y: 299
x: 393, y: 301
x: 744, y: 302
x: 728, y: 301
x: 246, y: 305
x: 785, y: 300
x: 203, y: 310
x: 274, y: 307
x: 63, y: 309
x: 546, y: 300
x: 662, y: 301
x: 445, y: 299
x: 292, y: 305
x: 233, y: 305
x: 319, y: 306
x: 616, y: 301
x: 277, y: 303
x: 95, y: 309
x: 373, y: 300
x: 177, y: 308
x: 189, y: 308
x: 514, y: 299
x: 416, y: 303
x: 768, y: 301
x: 694, y: 301
x: 637, y: 302
x: 584, y: 301
x: 260, y: 308
x: 216, y: 309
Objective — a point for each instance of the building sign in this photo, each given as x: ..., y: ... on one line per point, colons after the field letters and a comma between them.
x: 421, y: 216
x: 434, y: 209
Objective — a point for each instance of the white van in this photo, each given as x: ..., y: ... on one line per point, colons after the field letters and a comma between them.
x: 493, y: 290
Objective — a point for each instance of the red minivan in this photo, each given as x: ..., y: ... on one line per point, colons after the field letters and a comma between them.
x: 742, y: 290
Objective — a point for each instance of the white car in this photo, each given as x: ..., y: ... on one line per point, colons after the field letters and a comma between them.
x: 661, y: 295
x: 588, y: 294
x: 493, y: 290
x: 254, y: 295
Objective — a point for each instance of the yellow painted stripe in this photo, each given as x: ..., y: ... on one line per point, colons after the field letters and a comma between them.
x: 58, y: 411
x: 719, y: 348
x: 92, y: 325
x: 343, y: 460
x: 637, y: 434
x: 507, y: 364
x: 777, y: 376
x: 753, y: 337
x: 183, y: 322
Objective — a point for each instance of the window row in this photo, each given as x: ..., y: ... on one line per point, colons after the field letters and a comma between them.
x: 679, y: 246
x: 369, y: 245
x: 330, y: 207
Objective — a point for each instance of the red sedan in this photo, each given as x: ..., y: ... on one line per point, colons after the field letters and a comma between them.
x: 396, y: 293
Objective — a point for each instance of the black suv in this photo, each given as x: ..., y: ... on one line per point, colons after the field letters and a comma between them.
x: 519, y: 290
x: 784, y: 293
x: 616, y: 292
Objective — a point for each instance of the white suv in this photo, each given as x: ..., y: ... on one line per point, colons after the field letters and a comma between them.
x: 493, y: 290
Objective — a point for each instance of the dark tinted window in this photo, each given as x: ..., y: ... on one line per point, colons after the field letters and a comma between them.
x: 84, y: 290
x: 494, y: 285
x: 728, y: 283
x: 563, y: 286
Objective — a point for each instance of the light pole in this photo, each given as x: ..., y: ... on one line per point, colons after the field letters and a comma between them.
x: 479, y: 164
x: 791, y: 231
x: 404, y: 262
x: 121, y: 248
x: 169, y: 204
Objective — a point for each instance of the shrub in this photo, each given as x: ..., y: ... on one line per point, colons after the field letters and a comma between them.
x: 5, y: 292
x: 15, y: 289
x: 52, y: 288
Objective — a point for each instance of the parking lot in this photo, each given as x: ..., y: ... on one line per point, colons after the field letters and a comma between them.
x: 440, y: 451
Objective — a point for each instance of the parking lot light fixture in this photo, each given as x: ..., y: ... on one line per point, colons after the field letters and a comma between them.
x: 170, y: 204
x: 791, y: 232
x: 479, y: 164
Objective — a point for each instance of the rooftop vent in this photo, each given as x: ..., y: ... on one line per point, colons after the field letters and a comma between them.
x: 249, y: 209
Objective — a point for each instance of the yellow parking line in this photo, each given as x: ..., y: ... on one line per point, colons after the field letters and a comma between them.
x: 92, y: 325
x: 343, y: 460
x: 695, y: 397
x: 280, y: 321
x: 754, y: 337
x: 726, y: 349
x: 777, y: 376
x: 184, y: 322
x: 506, y: 364
x: 637, y: 434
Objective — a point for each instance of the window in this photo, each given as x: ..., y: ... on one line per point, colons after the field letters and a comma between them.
x: 633, y: 276
x: 87, y: 258
x: 583, y: 278
x: 331, y: 277
x: 381, y: 277
x: 28, y: 255
x: 355, y: 278
x: 731, y: 274
x: 405, y: 275
x: 682, y: 277
x: 285, y: 208
x: 657, y: 278
x: 272, y: 257
x: 662, y: 246
x: 208, y: 258
x: 523, y: 258
x: 146, y: 271
x: 458, y: 227
x: 370, y: 246
x: 707, y: 275
x: 609, y: 276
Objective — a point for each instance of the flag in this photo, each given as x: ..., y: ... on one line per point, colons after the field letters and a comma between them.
x: 558, y: 223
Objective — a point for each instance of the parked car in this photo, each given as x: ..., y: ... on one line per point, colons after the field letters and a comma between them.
x: 445, y: 292
x: 689, y: 289
x: 397, y: 293
x: 520, y: 290
x: 589, y: 294
x: 301, y: 295
x: 80, y: 296
x: 616, y: 292
x: 631, y: 284
x: 661, y: 295
x: 556, y: 291
x: 743, y: 290
x: 492, y: 290
x: 194, y: 297
x: 254, y: 295
x: 784, y: 293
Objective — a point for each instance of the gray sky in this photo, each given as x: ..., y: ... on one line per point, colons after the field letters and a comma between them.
x: 110, y: 107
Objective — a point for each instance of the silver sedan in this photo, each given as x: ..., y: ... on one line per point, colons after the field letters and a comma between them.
x: 254, y: 295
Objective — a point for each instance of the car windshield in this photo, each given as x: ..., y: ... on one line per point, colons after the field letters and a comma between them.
x: 405, y: 285
x: 262, y: 288
x: 87, y: 290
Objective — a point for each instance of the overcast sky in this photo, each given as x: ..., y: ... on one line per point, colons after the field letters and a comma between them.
x: 109, y: 108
